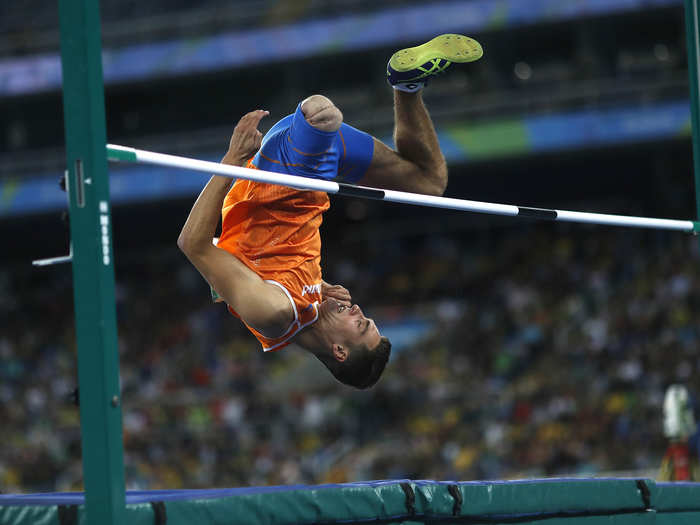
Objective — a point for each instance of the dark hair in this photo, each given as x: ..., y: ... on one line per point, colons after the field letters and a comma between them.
x: 363, y: 366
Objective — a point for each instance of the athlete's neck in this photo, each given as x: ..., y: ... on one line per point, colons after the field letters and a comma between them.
x: 312, y: 339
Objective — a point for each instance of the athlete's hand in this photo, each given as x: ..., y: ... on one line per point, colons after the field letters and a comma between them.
x: 246, y: 139
x: 337, y: 292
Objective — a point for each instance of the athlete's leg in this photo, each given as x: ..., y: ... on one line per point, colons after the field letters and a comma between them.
x: 417, y: 165
x: 314, y: 142
x: 308, y: 143
x: 321, y: 113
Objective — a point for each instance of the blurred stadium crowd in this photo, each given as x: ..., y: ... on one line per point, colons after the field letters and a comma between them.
x: 546, y: 352
x: 520, y: 350
x: 126, y: 22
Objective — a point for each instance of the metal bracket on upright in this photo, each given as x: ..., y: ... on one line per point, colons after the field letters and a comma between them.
x: 55, y: 260
x: 51, y: 261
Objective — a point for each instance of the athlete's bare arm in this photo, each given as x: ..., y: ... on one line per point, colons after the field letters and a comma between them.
x: 261, y: 305
x: 417, y: 165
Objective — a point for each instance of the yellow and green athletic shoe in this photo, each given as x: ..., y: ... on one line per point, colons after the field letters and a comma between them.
x: 410, y: 69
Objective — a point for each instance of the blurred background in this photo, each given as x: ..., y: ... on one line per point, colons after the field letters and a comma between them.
x: 521, y: 349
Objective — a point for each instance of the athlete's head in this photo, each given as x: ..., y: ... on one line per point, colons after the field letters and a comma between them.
x: 349, y: 344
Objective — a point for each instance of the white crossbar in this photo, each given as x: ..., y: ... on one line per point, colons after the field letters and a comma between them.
x: 127, y: 154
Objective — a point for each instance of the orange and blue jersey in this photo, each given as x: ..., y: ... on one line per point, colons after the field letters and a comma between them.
x: 274, y: 230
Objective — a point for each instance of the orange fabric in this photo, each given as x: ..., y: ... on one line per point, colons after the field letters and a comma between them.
x: 274, y: 230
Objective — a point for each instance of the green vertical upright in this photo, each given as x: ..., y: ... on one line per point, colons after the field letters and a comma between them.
x: 93, y: 270
x: 693, y: 42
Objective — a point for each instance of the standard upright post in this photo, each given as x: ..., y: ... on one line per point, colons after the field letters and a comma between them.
x: 93, y: 270
x: 692, y: 20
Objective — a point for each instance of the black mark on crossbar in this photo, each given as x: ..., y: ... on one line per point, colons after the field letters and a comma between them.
x: 79, y: 181
x: 537, y: 213
x: 358, y: 191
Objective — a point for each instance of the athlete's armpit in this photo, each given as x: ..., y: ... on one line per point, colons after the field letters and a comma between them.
x: 261, y: 305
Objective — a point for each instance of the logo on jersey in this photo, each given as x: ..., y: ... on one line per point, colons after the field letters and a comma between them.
x: 311, y: 289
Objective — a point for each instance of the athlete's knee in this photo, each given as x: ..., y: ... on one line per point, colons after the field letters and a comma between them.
x: 431, y: 180
x: 321, y: 113
x: 440, y: 184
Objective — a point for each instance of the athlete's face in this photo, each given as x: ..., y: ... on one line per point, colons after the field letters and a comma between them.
x: 349, y: 325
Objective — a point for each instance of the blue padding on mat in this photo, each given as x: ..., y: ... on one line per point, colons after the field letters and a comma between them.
x: 144, y: 496
x: 588, y: 501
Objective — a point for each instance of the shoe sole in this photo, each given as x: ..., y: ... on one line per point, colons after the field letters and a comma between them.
x: 454, y: 48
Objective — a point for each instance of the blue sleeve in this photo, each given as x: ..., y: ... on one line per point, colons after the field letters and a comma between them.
x: 307, y: 141
x: 356, y: 150
x: 295, y: 147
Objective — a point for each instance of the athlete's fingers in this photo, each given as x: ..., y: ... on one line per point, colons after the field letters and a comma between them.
x: 341, y: 301
x: 246, y: 139
x: 249, y: 123
x: 340, y: 294
x: 253, y: 118
x: 258, y: 139
x: 258, y: 115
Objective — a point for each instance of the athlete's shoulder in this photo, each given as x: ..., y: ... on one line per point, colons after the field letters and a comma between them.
x: 278, y: 128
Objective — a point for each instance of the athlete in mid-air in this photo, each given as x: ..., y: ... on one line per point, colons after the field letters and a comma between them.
x: 267, y: 263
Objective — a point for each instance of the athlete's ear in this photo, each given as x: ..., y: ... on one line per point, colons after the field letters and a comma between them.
x: 339, y: 353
